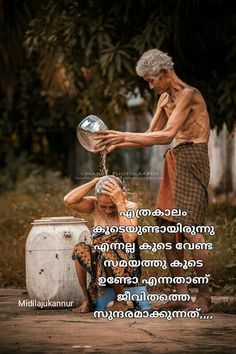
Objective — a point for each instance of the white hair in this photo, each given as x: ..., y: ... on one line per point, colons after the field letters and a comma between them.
x: 102, y: 180
x: 152, y: 61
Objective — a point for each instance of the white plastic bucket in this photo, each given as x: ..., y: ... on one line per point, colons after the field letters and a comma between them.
x: 50, y: 270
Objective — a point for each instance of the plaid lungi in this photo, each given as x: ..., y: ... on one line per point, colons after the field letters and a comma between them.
x: 185, y: 181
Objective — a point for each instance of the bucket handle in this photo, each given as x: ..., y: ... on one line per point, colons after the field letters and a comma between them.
x: 67, y: 234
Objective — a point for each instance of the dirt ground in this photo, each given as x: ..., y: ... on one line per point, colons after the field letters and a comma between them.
x: 31, y: 330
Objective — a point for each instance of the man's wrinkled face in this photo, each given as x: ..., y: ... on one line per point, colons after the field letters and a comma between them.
x: 159, y: 82
x: 106, y: 205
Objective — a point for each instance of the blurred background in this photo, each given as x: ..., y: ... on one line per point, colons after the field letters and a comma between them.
x: 61, y: 60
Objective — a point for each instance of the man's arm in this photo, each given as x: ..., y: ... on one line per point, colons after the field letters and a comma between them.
x: 174, y: 123
x: 158, y: 122
x: 77, y: 201
x: 124, y: 139
x: 159, y: 119
x: 113, y: 190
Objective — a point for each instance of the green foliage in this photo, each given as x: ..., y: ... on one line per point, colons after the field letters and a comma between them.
x: 37, y: 193
x: 107, y: 40
x: 66, y: 59
x: 228, y: 307
x: 29, y: 194
x: 104, y: 40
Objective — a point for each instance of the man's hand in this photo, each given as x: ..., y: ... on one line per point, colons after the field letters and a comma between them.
x: 108, y: 149
x: 107, y: 138
x: 114, y: 191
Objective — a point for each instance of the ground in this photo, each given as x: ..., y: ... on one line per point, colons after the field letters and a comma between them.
x: 31, y: 330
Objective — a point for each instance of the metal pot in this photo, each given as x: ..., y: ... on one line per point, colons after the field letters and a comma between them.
x: 86, y: 132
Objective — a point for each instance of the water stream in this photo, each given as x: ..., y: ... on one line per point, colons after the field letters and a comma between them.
x: 104, y: 168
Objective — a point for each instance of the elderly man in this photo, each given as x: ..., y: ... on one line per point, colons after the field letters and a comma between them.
x: 181, y: 114
x: 105, y: 207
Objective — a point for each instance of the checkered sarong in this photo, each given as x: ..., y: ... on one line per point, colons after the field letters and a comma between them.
x: 185, y: 181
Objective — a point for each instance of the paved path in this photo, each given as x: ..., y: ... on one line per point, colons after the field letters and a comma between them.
x: 29, y: 330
